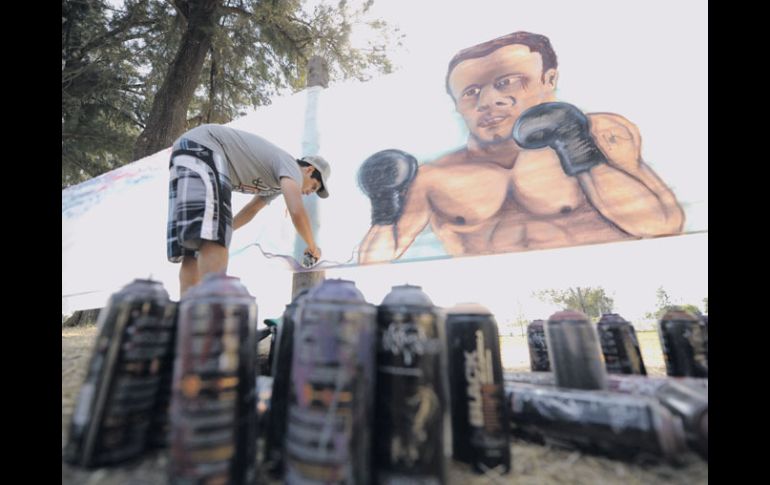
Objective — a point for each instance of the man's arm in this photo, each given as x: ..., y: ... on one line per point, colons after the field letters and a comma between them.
x: 386, y: 177
x: 299, y: 217
x: 626, y: 190
x: 248, y: 211
x: 417, y: 213
x: 385, y: 242
x: 604, y: 156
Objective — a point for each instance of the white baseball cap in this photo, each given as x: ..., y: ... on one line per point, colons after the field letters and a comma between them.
x: 320, y: 164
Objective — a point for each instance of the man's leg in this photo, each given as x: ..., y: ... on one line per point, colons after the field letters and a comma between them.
x: 188, y: 274
x: 212, y: 258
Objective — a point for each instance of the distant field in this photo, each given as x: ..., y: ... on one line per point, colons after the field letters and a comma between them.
x: 515, y: 353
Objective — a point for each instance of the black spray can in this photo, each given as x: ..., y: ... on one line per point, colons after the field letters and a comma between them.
x: 411, y: 400
x: 625, y: 384
x: 160, y: 428
x: 114, y: 407
x: 618, y: 425
x: 686, y: 398
x: 620, y: 345
x: 213, y: 408
x: 692, y: 406
x: 536, y: 378
x: 683, y: 344
x: 649, y: 385
x: 263, y: 403
x: 704, y: 320
x: 329, y: 431
x: 281, y: 372
x: 479, y: 417
x: 538, y: 349
x: 574, y: 351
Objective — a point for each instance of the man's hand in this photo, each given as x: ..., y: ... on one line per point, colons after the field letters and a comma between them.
x: 311, y: 257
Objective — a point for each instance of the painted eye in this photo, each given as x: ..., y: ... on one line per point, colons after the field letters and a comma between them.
x: 508, y: 83
x: 470, y: 92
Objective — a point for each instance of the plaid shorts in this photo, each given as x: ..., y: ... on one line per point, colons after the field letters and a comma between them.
x: 199, y: 200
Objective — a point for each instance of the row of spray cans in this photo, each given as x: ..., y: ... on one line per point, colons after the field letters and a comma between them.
x: 683, y: 337
x: 361, y: 393
x: 598, y: 395
x: 172, y: 374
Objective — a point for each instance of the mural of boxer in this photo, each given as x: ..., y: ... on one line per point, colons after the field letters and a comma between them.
x: 535, y: 173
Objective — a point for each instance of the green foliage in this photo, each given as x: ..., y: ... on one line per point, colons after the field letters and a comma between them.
x: 115, y: 58
x: 592, y: 301
x: 99, y: 88
x: 665, y: 303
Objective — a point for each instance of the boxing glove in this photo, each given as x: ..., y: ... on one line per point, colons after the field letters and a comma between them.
x: 385, y: 178
x: 564, y: 128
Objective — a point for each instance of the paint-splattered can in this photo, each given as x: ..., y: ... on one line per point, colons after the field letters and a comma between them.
x: 704, y: 320
x: 114, y: 408
x: 329, y: 431
x: 692, y: 406
x: 537, y: 378
x: 538, y: 349
x: 411, y: 399
x: 620, y: 345
x: 479, y: 417
x: 264, y: 387
x: 625, y: 384
x: 574, y: 351
x: 160, y: 428
x: 685, y: 397
x: 619, y: 425
x: 683, y: 344
x: 281, y: 372
x: 213, y: 410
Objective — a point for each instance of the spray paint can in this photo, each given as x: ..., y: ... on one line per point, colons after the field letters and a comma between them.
x: 479, y: 417
x: 620, y: 345
x: 624, y: 384
x: 264, y: 387
x: 114, y: 407
x: 683, y: 344
x: 574, y: 351
x: 686, y: 398
x: 538, y: 348
x: 536, y: 378
x: 329, y: 432
x: 213, y: 410
x: 160, y: 428
x: 704, y: 320
x: 411, y: 399
x: 281, y: 372
x: 619, y: 425
x: 692, y: 406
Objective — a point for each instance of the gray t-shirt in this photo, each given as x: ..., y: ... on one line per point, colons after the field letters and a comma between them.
x: 256, y: 165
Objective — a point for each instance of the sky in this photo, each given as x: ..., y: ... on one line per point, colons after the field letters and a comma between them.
x: 644, y: 60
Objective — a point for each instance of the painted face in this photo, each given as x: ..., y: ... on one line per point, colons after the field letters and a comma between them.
x: 309, y: 184
x: 491, y: 92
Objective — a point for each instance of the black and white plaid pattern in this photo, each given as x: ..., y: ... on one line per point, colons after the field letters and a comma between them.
x: 199, y: 200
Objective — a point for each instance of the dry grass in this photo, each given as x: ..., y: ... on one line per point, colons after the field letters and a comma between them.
x: 532, y: 464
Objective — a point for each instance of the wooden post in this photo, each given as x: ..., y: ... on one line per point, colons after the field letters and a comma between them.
x: 317, y: 79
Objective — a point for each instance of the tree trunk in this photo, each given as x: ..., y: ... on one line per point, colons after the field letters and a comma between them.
x: 168, y: 115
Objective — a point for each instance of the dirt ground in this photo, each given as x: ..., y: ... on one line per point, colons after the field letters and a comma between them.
x: 532, y: 464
